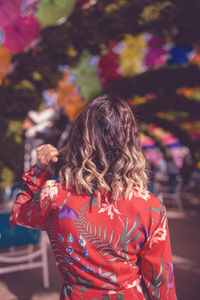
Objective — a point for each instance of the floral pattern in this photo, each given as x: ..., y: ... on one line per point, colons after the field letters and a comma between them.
x: 110, y: 208
x: 70, y: 238
x: 50, y: 190
x: 120, y: 250
x: 82, y: 241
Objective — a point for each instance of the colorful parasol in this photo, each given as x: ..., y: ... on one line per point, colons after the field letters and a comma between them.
x: 51, y: 11
x: 132, y: 56
x: 179, y: 55
x: 9, y: 10
x: 157, y: 54
x: 5, y: 58
x: 69, y: 97
x: 21, y: 33
x: 152, y: 152
x: 108, y: 66
x: 86, y: 76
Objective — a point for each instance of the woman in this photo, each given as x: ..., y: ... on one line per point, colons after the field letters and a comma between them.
x: 109, y: 235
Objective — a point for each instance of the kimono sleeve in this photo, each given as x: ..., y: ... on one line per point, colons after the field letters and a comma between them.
x: 33, y: 202
x: 156, y: 263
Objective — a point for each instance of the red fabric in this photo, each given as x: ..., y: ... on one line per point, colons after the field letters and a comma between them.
x: 116, y: 250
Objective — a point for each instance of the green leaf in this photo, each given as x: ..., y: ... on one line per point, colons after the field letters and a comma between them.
x: 164, y: 279
x: 91, y: 229
x: 102, y: 245
x: 87, y: 227
x: 134, y: 238
x: 105, y: 233
x: 95, y: 230
x: 161, y: 270
x: 106, y: 249
x: 111, y: 237
x: 155, y: 209
x: 96, y: 242
x: 113, y: 259
x: 117, y: 242
x: 100, y: 231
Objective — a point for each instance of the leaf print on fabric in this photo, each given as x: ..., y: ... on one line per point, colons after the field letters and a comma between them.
x: 155, y: 209
x: 50, y: 190
x: 109, y: 275
x: 37, y: 170
x: 66, y: 290
x: 171, y: 274
x: 139, y: 289
x: 133, y: 283
x: 67, y: 213
x: 104, y: 240
x: 61, y: 262
x: 97, y: 236
x: 156, y: 281
x: 76, y: 258
x: 60, y: 238
x: 138, y: 192
x: 125, y: 240
x: 85, y: 252
x: 93, y: 200
x: 69, y: 250
x: 160, y: 234
x: 82, y: 241
x: 110, y: 207
x: 70, y: 238
x: 112, y: 292
x: 68, y: 259
x: 89, y: 268
x: 144, y: 230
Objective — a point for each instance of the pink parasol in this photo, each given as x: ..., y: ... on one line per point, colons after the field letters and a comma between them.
x: 21, y: 33
x: 9, y: 10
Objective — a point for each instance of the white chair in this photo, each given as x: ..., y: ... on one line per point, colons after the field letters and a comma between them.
x: 172, y: 193
x: 25, y: 257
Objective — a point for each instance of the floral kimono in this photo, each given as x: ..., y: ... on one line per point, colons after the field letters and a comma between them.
x: 103, y: 249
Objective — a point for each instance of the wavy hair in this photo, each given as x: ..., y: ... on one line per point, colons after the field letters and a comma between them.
x: 104, y: 150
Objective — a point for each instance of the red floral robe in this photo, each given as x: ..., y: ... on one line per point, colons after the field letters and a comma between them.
x: 113, y: 250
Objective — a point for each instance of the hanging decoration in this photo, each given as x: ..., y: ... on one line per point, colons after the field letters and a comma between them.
x: 5, y: 58
x: 156, y: 53
x: 86, y: 76
x: 9, y: 11
x: 179, y: 55
x: 50, y: 12
x: 132, y: 55
x: 175, y: 147
x: 108, y: 66
x: 69, y: 97
x: 21, y: 33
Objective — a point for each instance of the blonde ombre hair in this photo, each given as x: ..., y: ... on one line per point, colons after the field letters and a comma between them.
x: 104, y: 150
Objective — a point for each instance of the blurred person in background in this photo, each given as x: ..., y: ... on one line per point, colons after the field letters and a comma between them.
x: 45, y: 126
x: 109, y: 235
x: 172, y: 170
x: 36, y: 125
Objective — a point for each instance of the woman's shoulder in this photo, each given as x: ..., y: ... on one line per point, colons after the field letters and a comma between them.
x: 143, y: 195
x: 144, y: 203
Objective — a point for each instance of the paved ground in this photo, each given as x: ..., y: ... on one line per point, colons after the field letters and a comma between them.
x: 185, y: 237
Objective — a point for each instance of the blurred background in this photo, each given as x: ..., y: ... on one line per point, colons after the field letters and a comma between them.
x: 58, y: 55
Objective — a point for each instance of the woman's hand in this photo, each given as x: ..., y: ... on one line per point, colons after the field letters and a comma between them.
x: 46, y: 155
